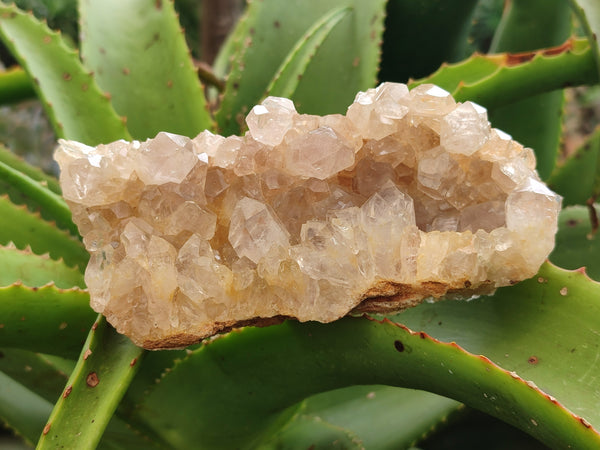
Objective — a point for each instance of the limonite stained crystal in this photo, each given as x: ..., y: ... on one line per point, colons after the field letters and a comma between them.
x: 407, y: 196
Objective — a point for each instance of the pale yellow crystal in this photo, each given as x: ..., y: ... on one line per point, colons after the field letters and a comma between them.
x: 409, y: 195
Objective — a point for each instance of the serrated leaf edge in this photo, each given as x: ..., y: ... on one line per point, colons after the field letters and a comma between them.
x: 45, y: 256
x: 51, y: 223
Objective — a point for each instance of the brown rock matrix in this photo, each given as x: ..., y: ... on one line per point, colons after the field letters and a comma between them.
x: 409, y: 195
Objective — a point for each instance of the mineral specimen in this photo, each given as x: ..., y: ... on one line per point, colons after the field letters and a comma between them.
x: 408, y: 196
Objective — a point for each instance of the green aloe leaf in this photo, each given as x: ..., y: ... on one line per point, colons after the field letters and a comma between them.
x: 46, y: 376
x: 15, y: 86
x: 14, y: 161
x: 34, y: 371
x: 485, y: 20
x: 588, y: 13
x: 576, y: 245
x: 75, y: 104
x: 138, y: 52
x: 531, y: 329
x: 368, y: 414
x: 420, y: 412
x: 289, y: 74
x: 501, y: 79
x: 312, y: 432
x: 46, y: 319
x: 36, y: 270
x: 345, y: 63
x: 21, y: 409
x: 51, y: 205
x: 423, y: 21
x: 534, y: 121
x: 155, y: 365
x: 230, y: 48
x: 578, y: 178
x: 106, y: 366
x: 542, y: 328
x: 24, y: 229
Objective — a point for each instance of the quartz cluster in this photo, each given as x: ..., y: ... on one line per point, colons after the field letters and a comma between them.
x: 409, y: 195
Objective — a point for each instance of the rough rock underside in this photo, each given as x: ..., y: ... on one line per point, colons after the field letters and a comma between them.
x: 409, y: 195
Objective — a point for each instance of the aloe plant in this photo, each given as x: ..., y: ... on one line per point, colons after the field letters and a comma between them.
x: 528, y: 355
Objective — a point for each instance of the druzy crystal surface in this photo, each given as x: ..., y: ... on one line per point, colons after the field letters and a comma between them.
x: 407, y: 196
